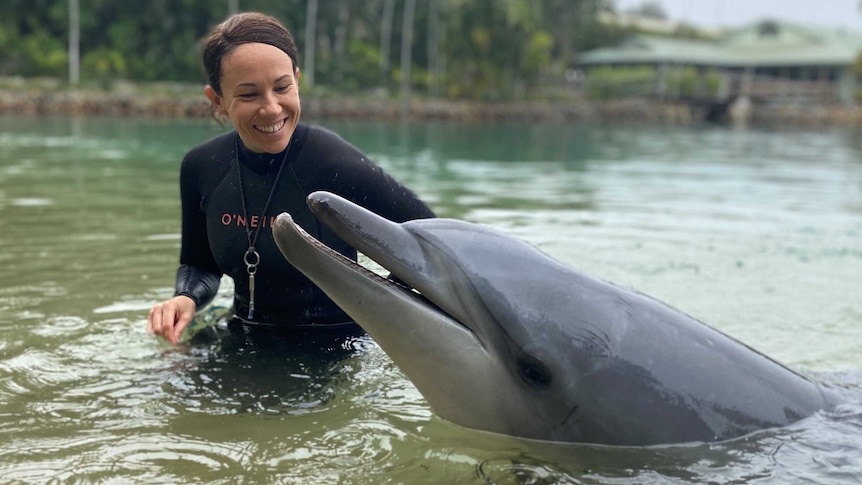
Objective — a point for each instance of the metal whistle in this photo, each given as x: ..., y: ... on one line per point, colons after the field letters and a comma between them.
x: 252, y: 259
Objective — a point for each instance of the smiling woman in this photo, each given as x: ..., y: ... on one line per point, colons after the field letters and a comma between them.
x: 260, y: 95
x: 232, y: 185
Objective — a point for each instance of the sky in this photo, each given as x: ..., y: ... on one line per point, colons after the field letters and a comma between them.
x: 733, y: 13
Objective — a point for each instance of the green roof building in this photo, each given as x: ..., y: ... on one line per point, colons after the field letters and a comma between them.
x: 766, y: 59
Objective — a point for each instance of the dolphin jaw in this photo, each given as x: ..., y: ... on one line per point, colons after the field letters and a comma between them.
x: 287, y: 233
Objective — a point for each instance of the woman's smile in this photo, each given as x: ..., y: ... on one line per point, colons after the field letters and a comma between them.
x: 271, y: 128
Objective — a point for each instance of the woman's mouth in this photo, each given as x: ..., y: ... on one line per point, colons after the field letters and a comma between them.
x: 272, y: 128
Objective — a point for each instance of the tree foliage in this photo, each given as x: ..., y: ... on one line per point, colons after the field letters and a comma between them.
x: 479, y: 49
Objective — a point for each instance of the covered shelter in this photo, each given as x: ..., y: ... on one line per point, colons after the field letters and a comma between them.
x: 765, y: 60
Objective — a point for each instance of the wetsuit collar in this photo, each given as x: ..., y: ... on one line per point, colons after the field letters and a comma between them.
x: 262, y: 163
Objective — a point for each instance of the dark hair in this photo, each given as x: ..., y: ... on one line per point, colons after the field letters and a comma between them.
x: 243, y: 28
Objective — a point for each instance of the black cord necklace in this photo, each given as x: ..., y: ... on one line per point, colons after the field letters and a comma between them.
x: 252, y: 257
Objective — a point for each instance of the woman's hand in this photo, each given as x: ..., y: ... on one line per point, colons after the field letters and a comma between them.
x: 170, y: 318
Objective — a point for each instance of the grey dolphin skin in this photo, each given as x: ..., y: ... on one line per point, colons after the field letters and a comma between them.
x: 497, y: 336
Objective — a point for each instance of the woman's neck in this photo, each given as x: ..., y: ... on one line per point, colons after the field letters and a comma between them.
x: 259, y: 162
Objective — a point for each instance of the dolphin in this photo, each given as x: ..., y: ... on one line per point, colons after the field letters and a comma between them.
x: 498, y: 336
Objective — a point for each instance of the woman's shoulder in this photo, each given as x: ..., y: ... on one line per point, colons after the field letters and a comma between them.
x: 325, y: 149
x: 323, y: 139
x: 205, y: 164
x: 319, y: 132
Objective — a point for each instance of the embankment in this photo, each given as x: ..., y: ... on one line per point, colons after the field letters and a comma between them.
x: 184, y: 101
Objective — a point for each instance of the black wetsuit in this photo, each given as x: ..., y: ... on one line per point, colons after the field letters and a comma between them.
x: 214, y: 238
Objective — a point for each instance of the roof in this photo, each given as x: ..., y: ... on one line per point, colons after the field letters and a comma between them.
x: 764, y: 43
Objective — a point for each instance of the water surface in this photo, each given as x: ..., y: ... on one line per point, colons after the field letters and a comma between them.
x: 756, y: 232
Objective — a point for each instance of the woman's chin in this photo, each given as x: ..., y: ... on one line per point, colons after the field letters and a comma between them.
x: 268, y: 142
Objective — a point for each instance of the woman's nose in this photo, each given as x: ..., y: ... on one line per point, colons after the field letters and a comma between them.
x: 270, y: 105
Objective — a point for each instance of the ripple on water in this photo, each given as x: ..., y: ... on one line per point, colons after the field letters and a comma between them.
x: 233, y: 376
x: 36, y: 369
x: 141, y: 458
x: 45, y: 456
x: 24, y: 302
x: 814, y: 451
x: 170, y: 452
x: 60, y: 326
x: 126, y: 306
x: 32, y: 202
x: 381, y: 388
x: 355, y: 448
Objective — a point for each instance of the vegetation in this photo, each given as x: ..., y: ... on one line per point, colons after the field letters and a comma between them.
x: 620, y: 82
x: 465, y: 49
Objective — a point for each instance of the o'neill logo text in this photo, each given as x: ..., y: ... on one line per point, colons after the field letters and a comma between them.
x: 240, y: 220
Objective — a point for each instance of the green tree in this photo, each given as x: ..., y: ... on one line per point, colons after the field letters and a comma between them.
x: 477, y: 49
x: 32, y: 37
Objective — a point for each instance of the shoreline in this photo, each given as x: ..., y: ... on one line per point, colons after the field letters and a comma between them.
x: 189, y: 102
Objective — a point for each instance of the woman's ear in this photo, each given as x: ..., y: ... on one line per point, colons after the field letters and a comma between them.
x: 215, y: 100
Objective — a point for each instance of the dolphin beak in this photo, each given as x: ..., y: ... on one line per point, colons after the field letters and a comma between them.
x: 384, y: 241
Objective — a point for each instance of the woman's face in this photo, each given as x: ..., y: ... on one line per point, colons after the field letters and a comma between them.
x: 260, y: 95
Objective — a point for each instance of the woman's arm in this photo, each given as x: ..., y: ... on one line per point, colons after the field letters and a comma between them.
x: 197, y: 279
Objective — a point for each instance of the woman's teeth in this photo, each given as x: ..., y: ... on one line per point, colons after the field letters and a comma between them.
x: 271, y: 128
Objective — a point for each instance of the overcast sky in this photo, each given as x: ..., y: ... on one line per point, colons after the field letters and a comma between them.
x: 724, y: 13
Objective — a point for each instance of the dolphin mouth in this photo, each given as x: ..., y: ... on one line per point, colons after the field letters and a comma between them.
x: 286, y: 221
x: 296, y: 244
x: 387, y: 243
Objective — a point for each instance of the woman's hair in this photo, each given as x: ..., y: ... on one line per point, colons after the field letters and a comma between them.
x: 243, y: 28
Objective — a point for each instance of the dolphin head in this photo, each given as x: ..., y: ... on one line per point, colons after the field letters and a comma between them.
x: 499, y: 337
x: 478, y: 331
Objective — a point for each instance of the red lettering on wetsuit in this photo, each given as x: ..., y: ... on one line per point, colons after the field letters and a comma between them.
x: 228, y: 219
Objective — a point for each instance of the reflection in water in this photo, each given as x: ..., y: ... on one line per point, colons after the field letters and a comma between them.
x: 756, y: 232
x: 233, y: 368
x: 820, y: 449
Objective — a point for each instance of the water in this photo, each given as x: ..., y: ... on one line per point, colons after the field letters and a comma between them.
x: 758, y: 233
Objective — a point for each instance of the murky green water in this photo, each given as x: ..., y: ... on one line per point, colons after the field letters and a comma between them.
x: 758, y: 233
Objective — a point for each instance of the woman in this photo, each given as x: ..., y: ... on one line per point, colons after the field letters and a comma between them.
x: 234, y: 185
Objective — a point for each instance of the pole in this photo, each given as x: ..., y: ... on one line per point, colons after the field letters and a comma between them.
x: 74, y: 43
x: 310, y: 40
x: 406, y: 47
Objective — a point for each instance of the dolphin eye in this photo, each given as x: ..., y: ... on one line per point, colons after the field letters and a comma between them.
x: 534, y: 372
